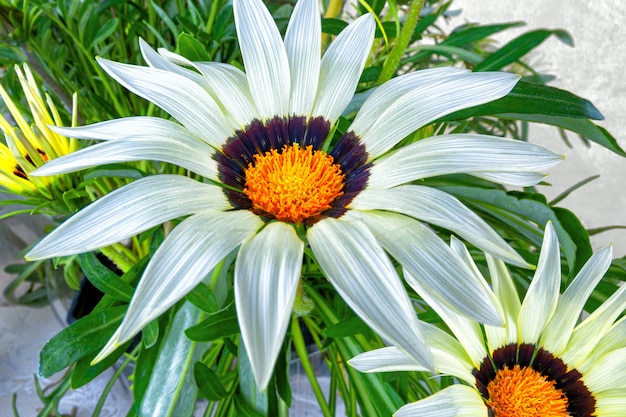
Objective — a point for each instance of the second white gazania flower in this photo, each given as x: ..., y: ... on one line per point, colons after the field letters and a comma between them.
x: 262, y: 141
x: 542, y: 362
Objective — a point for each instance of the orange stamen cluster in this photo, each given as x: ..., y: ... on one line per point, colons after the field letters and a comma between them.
x: 524, y: 392
x: 294, y: 184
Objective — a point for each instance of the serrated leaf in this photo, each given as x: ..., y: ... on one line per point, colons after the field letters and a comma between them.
x: 532, y: 99
x: 518, y: 47
x: 103, y: 278
x: 214, y: 327
x: 84, y: 372
x: 191, y: 48
x: 81, y: 338
x: 209, y: 382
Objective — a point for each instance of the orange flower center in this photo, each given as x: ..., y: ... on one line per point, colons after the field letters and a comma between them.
x: 524, y: 392
x: 294, y: 184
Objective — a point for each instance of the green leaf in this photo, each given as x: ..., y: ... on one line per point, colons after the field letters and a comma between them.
x: 113, y: 170
x: 333, y: 26
x: 348, y: 327
x: 577, y: 232
x: 532, y: 99
x: 281, y: 372
x: 150, y: 334
x: 81, y: 338
x: 256, y: 401
x: 191, y: 48
x: 525, y: 210
x: 209, y: 382
x: 583, y: 127
x: 243, y: 409
x: 467, y: 35
x: 172, y: 391
x: 216, y: 326
x: 103, y: 278
x: 105, y: 31
x: 203, y: 298
x: 84, y: 372
x: 518, y: 47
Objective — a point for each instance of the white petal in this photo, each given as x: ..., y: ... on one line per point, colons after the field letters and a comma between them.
x: 464, y: 153
x: 389, y: 359
x: 508, y: 300
x: 342, y: 66
x: 135, y: 139
x: 439, y: 208
x: 453, y: 401
x: 362, y: 274
x: 382, y: 97
x: 588, y: 334
x: 127, y: 211
x: 185, y: 100
x: 157, y: 61
x: 451, y: 357
x: 264, y: 57
x: 607, y: 373
x: 610, y: 403
x: 614, y: 339
x: 267, y: 273
x: 228, y: 85
x: 303, y: 42
x: 429, y: 102
x: 559, y: 329
x: 543, y: 293
x: 434, y: 269
x: 184, y: 258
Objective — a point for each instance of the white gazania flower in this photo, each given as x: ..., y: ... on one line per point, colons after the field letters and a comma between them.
x: 275, y: 185
x: 541, y: 363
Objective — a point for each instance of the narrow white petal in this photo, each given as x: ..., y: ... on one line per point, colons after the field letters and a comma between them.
x: 508, y: 300
x: 267, y: 273
x: 303, y: 42
x: 127, y: 211
x: 453, y: 401
x: 184, y: 258
x: 462, y: 153
x: 429, y: 102
x: 227, y: 84
x: 607, y: 373
x: 614, y: 339
x: 571, y: 303
x: 185, y: 100
x: 342, y: 66
x: 451, y: 357
x: 434, y: 271
x: 543, y: 293
x: 439, y: 208
x: 389, y: 359
x: 135, y: 139
x: 588, y: 334
x: 610, y: 403
x: 518, y: 179
x: 157, y: 61
x: 382, y: 97
x: 363, y: 275
x: 264, y: 57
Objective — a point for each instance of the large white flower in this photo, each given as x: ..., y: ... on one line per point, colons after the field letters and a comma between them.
x: 275, y: 182
x: 540, y: 363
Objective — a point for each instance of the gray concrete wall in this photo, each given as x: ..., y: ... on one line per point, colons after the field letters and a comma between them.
x: 594, y: 69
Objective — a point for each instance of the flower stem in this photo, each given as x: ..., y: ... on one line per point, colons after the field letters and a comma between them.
x: 402, y: 41
x: 298, y: 342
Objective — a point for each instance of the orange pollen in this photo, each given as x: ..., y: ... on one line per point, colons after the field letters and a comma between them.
x: 294, y: 184
x: 524, y: 392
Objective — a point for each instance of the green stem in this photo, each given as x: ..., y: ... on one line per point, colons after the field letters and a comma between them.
x: 109, y: 386
x: 394, y: 57
x: 298, y: 342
